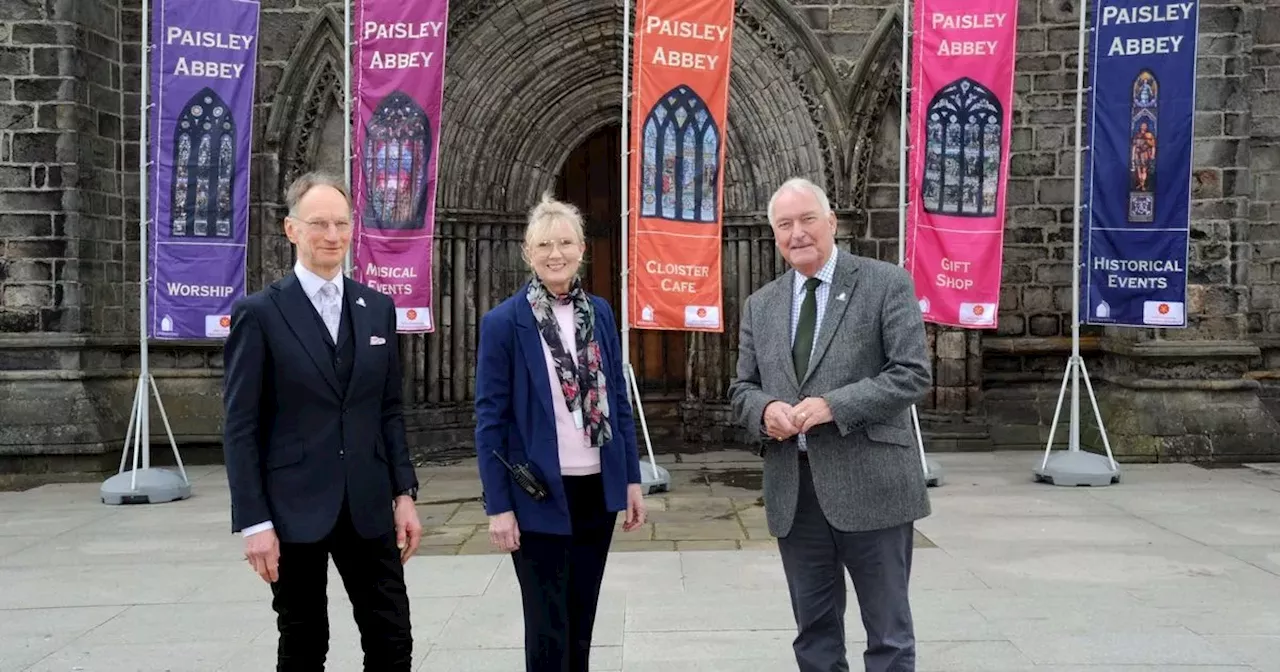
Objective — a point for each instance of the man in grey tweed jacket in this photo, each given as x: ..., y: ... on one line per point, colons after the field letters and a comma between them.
x: 828, y: 395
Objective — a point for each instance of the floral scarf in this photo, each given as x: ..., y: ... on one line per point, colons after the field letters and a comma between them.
x: 584, y: 387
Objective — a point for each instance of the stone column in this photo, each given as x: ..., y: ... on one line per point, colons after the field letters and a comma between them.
x: 952, y: 412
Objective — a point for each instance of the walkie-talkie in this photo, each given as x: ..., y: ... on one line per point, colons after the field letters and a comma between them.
x: 525, y: 479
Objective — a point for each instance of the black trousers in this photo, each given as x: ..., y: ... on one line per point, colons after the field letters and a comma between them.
x: 815, y: 556
x: 560, y: 579
x: 374, y: 578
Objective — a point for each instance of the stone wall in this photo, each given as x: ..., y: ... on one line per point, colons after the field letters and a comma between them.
x: 1264, y: 207
x: 815, y: 93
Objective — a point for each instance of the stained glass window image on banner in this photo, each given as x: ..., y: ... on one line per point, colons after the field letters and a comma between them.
x: 204, y: 169
x: 680, y: 135
x: 962, y: 151
x: 1142, y: 149
x: 396, y: 152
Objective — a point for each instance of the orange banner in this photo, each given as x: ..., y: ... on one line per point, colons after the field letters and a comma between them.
x: 679, y: 103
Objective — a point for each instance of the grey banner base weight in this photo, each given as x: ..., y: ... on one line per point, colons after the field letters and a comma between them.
x: 932, y: 473
x: 144, y: 484
x: 1077, y: 467
x: 654, y: 478
x: 1074, y: 466
x: 153, y: 486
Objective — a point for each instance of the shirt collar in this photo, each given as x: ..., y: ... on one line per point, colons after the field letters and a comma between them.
x: 825, y: 274
x: 311, y: 283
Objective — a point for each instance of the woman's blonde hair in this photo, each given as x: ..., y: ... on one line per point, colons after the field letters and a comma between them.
x: 545, y: 215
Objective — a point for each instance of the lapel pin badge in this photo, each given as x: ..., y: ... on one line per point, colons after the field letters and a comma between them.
x: 377, y: 340
x: 840, y: 297
x: 360, y: 301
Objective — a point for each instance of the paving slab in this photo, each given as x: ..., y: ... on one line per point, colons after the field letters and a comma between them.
x: 1176, y: 569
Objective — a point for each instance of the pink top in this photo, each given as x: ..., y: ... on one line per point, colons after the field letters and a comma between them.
x: 577, y: 457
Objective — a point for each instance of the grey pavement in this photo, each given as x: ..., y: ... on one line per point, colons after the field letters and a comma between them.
x: 1175, y: 569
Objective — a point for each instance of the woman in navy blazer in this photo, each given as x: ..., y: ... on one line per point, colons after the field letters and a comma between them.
x: 550, y: 395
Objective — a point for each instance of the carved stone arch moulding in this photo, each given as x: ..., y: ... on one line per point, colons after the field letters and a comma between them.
x: 508, y: 126
x: 310, y: 90
x: 874, y: 86
x: 788, y: 41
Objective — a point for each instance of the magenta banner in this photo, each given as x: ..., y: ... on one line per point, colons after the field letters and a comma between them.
x: 962, y: 65
x: 203, y: 63
x: 398, y: 89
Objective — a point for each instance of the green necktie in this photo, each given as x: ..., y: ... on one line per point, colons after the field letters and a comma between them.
x: 805, y: 328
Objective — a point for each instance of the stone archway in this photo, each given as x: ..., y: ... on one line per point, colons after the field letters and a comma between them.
x: 528, y: 105
x: 514, y: 110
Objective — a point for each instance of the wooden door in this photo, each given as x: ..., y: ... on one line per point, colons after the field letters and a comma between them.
x: 590, y: 180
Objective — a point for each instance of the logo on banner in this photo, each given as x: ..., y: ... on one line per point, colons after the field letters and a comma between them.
x: 977, y: 314
x: 1163, y: 313
x: 702, y: 317
x: 217, y: 326
x: 413, y: 319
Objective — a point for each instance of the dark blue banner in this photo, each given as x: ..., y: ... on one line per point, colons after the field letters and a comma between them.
x: 1137, y: 179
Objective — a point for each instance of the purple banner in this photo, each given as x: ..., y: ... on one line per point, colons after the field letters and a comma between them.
x: 398, y: 87
x: 203, y: 60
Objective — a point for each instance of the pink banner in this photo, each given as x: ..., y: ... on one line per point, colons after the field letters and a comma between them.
x: 961, y: 112
x: 398, y: 87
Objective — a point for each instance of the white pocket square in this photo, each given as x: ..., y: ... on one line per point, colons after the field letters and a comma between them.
x: 360, y: 301
x: 377, y: 340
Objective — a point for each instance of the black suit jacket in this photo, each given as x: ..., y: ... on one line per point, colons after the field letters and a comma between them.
x: 297, y: 445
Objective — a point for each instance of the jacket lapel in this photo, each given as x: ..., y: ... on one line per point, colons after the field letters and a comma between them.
x: 361, y: 330
x: 838, y: 299
x: 296, y: 308
x: 535, y: 360
x: 778, y: 331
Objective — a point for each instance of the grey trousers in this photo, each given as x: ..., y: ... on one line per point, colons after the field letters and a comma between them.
x: 878, y: 562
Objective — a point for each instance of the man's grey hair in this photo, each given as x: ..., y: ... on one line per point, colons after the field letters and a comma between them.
x: 306, y: 182
x: 799, y: 184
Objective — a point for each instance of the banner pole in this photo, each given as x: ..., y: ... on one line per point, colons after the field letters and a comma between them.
x: 624, y: 302
x: 144, y: 411
x: 346, y: 112
x: 932, y: 474
x: 1073, y: 440
x: 658, y: 479
x: 1075, y: 466
x: 156, y: 485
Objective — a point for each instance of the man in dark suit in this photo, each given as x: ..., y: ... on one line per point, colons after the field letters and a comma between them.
x: 315, y: 443
x: 832, y: 387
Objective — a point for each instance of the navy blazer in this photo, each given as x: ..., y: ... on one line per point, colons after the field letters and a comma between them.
x: 296, y: 446
x: 514, y: 416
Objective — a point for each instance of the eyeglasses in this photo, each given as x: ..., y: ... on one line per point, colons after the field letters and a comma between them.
x: 546, y: 247
x: 322, y: 225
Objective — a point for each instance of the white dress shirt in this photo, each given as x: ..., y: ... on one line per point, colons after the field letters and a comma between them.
x: 825, y: 274
x: 311, y: 284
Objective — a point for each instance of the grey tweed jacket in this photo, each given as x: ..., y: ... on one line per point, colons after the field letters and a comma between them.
x: 870, y: 364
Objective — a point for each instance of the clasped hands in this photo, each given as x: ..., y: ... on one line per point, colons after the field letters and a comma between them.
x: 783, y: 421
